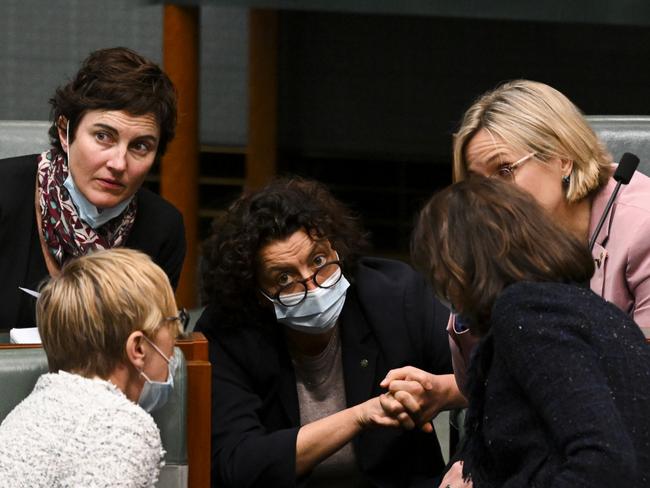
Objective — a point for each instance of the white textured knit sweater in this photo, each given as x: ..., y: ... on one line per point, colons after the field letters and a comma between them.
x: 73, y: 431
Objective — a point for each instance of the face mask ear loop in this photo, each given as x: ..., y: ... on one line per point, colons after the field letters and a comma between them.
x: 145, y: 376
x: 67, y: 140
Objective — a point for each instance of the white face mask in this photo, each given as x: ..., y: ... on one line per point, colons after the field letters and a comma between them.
x: 155, y: 394
x: 93, y: 216
x: 318, y: 312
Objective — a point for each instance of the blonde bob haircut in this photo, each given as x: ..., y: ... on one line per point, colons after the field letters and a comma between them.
x: 87, y: 312
x: 533, y: 117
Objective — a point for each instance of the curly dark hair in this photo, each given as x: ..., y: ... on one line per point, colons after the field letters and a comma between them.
x: 283, y: 207
x: 480, y: 235
x: 116, y: 79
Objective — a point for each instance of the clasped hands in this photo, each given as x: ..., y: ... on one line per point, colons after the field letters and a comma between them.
x: 413, y: 398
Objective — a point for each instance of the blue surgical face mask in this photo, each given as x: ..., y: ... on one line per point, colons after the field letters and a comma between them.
x: 93, y: 216
x: 318, y: 312
x: 460, y: 324
x: 155, y: 394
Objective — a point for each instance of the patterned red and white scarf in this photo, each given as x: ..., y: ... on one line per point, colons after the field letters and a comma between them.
x: 65, y: 234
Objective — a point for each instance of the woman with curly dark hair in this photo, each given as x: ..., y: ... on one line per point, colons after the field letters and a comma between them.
x: 302, y: 330
x: 559, y: 390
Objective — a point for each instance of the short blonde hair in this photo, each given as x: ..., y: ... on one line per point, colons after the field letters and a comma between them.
x: 534, y: 117
x: 87, y: 312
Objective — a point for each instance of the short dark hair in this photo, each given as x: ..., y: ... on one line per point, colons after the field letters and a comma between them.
x: 477, y: 236
x: 283, y: 207
x: 116, y: 79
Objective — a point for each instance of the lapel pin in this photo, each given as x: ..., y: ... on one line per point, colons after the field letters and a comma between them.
x: 600, y: 259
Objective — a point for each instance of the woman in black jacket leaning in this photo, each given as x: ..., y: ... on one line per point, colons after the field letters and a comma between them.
x: 560, y: 383
x: 302, y: 331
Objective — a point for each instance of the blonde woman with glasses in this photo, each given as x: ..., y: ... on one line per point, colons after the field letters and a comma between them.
x: 108, y: 323
x: 529, y: 134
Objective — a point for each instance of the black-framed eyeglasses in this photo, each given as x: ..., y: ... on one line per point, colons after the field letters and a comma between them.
x: 295, y: 292
x: 183, y: 318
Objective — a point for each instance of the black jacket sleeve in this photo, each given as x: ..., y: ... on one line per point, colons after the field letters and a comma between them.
x: 159, y: 232
x: 426, y: 319
x: 253, y: 441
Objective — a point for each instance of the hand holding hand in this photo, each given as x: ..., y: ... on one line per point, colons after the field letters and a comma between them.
x: 370, y: 413
x: 421, y: 395
x: 394, y: 409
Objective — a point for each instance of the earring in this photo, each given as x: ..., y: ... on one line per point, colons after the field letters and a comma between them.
x: 566, y: 179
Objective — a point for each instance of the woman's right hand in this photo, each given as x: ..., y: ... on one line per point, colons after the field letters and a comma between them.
x: 454, y: 477
x: 320, y: 439
x: 371, y: 413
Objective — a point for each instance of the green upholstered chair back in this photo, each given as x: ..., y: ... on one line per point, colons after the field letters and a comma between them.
x: 172, y: 422
x: 625, y: 133
x: 19, y: 137
x: 21, y: 367
x: 19, y: 370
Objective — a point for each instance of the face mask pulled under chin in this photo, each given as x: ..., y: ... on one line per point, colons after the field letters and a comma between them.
x: 319, y: 311
x: 154, y: 394
x: 93, y: 216
x: 90, y: 214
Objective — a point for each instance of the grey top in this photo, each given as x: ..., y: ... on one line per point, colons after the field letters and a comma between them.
x: 321, y: 392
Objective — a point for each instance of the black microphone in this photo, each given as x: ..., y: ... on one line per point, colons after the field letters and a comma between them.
x: 622, y: 175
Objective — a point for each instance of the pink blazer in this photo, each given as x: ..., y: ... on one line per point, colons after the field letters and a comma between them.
x: 622, y: 249
x: 621, y: 255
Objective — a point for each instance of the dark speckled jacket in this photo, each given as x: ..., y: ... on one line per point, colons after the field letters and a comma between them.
x: 559, y: 393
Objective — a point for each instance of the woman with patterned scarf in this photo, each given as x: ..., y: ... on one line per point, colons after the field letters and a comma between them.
x: 111, y: 123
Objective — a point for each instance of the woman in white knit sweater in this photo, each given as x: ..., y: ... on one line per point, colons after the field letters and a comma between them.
x: 108, y: 323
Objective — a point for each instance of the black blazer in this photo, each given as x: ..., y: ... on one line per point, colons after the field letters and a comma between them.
x: 559, y: 393
x: 158, y: 231
x: 390, y: 319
